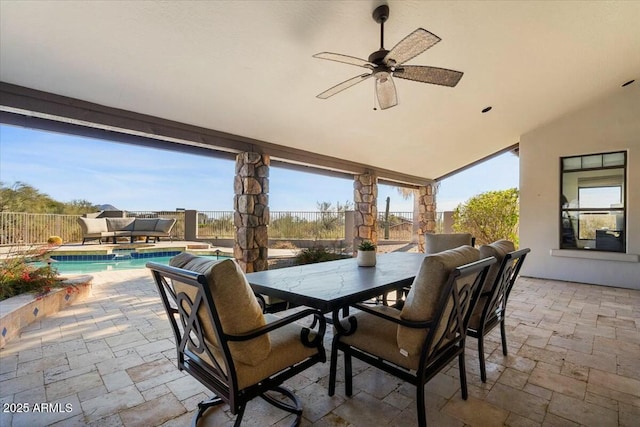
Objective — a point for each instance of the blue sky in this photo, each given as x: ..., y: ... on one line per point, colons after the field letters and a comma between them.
x: 136, y: 178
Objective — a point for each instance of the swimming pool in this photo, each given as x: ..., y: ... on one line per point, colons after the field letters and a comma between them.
x: 68, y: 266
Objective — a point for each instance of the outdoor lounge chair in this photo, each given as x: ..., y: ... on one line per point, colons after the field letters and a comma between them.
x: 225, y: 342
x: 417, y: 342
x: 490, y: 310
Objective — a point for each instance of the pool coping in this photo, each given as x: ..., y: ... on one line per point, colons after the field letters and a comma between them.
x: 133, y: 247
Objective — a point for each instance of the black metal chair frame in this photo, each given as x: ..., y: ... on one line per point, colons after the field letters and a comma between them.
x: 450, y: 345
x: 494, y: 309
x: 190, y: 344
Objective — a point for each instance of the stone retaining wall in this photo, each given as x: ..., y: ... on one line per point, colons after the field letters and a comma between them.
x: 20, y: 311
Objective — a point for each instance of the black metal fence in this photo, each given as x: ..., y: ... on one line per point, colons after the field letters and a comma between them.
x: 18, y: 228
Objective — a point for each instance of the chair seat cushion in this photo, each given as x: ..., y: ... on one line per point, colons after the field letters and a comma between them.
x: 424, y: 296
x: 377, y: 336
x: 286, y: 350
x: 237, y: 306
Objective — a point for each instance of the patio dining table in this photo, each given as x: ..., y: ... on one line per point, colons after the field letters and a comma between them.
x: 330, y: 286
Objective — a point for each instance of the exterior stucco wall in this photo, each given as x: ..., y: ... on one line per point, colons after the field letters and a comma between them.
x: 606, y: 125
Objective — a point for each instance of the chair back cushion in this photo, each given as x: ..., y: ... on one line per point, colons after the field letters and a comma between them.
x: 165, y: 225
x: 425, y: 293
x: 120, y: 224
x: 499, y: 250
x: 435, y: 243
x: 235, y: 302
x: 145, y: 224
x: 92, y: 225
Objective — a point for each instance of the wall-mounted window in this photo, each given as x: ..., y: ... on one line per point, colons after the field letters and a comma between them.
x: 592, y: 213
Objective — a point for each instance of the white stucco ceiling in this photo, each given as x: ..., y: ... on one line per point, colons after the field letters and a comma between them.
x: 246, y: 67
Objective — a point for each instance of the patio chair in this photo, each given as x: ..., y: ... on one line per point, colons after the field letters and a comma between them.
x: 417, y: 342
x: 490, y: 310
x: 439, y: 242
x: 434, y: 243
x: 224, y: 340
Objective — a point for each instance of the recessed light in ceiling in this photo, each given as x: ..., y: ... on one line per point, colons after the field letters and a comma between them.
x: 628, y: 83
x: 486, y: 109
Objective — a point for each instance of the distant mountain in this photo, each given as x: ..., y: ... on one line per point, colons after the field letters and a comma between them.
x: 107, y: 207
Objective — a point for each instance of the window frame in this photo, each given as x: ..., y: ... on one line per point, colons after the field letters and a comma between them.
x: 575, y: 213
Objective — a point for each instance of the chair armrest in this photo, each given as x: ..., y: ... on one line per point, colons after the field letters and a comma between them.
x: 391, y: 318
x: 285, y: 321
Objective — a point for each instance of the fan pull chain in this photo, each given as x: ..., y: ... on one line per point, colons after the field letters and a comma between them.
x: 374, y: 98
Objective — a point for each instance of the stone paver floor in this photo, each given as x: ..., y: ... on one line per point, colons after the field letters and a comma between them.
x: 574, y: 359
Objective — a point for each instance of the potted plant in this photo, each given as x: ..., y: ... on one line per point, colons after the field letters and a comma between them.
x: 366, y: 254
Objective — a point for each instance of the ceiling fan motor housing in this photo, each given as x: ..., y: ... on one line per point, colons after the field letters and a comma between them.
x: 377, y: 57
x: 382, y: 71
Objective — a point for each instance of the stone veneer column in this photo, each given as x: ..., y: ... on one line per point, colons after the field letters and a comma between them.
x: 365, y: 195
x: 251, y: 205
x: 427, y: 217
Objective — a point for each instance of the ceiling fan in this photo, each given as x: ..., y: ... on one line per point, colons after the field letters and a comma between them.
x: 385, y: 64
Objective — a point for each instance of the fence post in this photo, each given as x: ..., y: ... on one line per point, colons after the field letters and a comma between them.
x: 190, y: 225
x: 447, y: 222
x: 386, y: 219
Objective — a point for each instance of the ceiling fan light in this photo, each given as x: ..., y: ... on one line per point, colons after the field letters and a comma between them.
x: 386, y: 93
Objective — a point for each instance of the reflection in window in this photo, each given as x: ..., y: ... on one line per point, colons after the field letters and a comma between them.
x: 599, y: 197
x: 593, y: 202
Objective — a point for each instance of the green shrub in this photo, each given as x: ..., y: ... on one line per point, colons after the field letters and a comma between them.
x: 489, y: 216
x: 19, y: 274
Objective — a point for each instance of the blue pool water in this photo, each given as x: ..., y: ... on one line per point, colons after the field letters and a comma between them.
x: 96, y: 266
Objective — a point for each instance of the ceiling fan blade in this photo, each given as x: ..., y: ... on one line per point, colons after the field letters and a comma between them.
x: 342, y: 86
x: 351, y: 60
x: 410, y: 47
x: 434, y: 75
x: 386, y: 92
